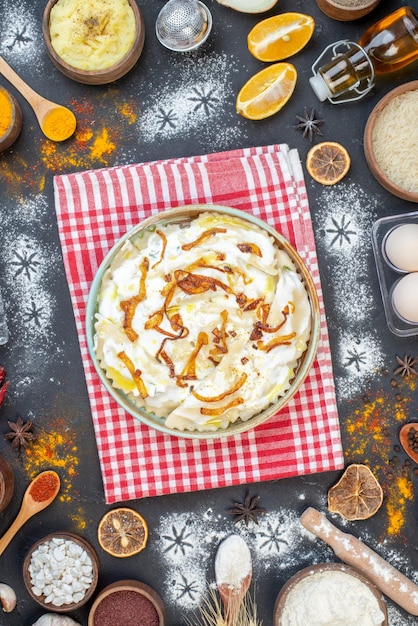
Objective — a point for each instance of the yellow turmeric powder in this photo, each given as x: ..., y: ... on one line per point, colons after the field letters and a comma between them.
x: 6, y: 112
x: 59, y: 124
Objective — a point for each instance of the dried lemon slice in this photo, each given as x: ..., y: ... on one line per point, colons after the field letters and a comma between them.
x: 267, y: 92
x: 122, y: 532
x: 328, y: 162
x: 280, y: 37
x: 357, y: 495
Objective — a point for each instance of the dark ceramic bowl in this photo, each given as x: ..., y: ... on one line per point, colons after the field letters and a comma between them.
x: 343, y: 13
x: 41, y: 599
x: 115, y: 597
x: 7, y: 483
x: 373, y: 164
x: 103, y: 76
x: 315, y: 571
x: 15, y: 126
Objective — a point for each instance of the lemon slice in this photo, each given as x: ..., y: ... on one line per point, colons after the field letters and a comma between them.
x: 357, y: 495
x: 328, y: 162
x: 122, y: 532
x: 281, y: 36
x: 267, y: 92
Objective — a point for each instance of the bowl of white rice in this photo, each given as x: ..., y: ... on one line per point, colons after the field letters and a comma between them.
x: 391, y: 141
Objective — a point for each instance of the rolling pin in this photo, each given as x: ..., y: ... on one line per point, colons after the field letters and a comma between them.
x: 354, y: 552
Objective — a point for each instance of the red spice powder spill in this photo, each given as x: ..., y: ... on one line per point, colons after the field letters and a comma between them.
x: 126, y: 607
x: 44, y: 487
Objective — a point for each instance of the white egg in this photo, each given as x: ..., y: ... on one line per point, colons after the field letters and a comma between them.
x: 401, y: 247
x: 405, y: 297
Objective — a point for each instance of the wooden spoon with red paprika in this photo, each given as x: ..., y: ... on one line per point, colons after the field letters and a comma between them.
x: 39, y: 494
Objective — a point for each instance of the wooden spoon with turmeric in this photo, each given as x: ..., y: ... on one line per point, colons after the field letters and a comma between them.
x: 56, y: 121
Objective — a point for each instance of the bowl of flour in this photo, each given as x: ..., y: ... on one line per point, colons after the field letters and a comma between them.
x: 330, y: 594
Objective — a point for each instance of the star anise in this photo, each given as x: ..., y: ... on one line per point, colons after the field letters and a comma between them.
x: 20, y: 434
x: 406, y: 366
x: 247, y: 511
x: 308, y: 124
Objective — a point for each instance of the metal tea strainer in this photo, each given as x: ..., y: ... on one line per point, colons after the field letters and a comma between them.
x: 183, y: 25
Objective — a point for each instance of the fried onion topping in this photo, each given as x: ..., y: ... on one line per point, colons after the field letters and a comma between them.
x: 221, y: 409
x: 129, y: 306
x: 205, y: 235
x: 135, y: 373
x: 223, y: 395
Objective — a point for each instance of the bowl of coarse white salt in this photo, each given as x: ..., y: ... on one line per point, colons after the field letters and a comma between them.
x: 391, y: 141
x: 330, y: 594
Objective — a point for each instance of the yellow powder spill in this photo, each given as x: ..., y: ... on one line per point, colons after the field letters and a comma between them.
x: 370, y: 428
x: 399, y: 493
x: 127, y: 110
x: 54, y: 449
x: 102, y: 145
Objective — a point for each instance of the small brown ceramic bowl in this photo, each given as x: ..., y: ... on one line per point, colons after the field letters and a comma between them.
x: 320, y: 575
x: 123, y: 598
x: 376, y: 168
x: 344, y: 12
x: 102, y: 76
x: 12, y: 132
x: 7, y: 483
x: 50, y: 543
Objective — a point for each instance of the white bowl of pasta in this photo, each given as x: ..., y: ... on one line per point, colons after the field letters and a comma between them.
x: 203, y: 321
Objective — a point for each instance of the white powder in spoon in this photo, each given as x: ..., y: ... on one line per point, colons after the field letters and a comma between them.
x: 232, y: 562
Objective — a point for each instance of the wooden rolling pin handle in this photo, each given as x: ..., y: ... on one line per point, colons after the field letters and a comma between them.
x: 354, y: 552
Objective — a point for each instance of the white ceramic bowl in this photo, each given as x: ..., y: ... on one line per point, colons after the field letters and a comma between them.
x: 305, y: 363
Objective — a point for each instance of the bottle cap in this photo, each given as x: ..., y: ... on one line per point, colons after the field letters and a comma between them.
x: 320, y: 87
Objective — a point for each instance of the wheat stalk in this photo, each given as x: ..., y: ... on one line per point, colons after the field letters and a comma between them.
x: 211, y: 612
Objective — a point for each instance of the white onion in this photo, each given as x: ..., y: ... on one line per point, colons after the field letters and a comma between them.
x: 249, y: 6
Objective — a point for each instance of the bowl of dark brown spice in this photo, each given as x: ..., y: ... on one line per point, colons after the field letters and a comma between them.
x: 390, y: 145
x: 347, y: 10
x: 127, y: 602
x: 10, y: 119
x: 93, y: 43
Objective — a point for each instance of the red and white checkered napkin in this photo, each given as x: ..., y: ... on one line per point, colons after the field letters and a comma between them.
x: 94, y: 209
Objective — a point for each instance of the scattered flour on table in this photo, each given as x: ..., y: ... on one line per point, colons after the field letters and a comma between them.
x: 27, y: 280
x: 188, y: 546
x: 196, y: 90
x: 21, y: 40
x: 344, y: 219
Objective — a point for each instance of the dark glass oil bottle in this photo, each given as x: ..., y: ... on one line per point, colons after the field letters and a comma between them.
x: 388, y: 45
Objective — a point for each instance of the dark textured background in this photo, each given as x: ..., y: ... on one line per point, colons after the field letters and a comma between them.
x: 173, y: 105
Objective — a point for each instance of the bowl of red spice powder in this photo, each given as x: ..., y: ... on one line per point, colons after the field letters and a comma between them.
x: 127, y: 602
x: 10, y: 119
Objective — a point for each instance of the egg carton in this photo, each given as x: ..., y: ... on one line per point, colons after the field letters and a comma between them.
x: 388, y: 275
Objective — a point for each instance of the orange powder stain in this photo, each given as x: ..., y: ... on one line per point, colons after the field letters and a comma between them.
x: 127, y: 110
x: 89, y: 149
x: 400, y: 492
x: 54, y: 449
x: 102, y: 145
x: 370, y: 430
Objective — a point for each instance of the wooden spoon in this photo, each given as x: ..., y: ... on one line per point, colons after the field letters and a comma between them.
x: 49, y: 481
x: 404, y: 439
x: 232, y: 560
x: 41, y: 106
